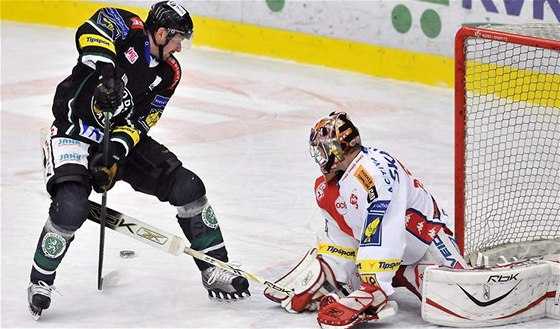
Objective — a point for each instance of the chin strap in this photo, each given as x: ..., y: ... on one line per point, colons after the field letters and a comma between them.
x: 160, y: 47
x: 160, y: 55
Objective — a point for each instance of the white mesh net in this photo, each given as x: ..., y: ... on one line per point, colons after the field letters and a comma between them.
x: 512, y: 141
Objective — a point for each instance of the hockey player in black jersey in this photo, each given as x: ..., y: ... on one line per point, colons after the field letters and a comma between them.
x: 125, y: 67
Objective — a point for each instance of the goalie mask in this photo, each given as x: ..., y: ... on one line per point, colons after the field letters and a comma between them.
x: 331, y: 139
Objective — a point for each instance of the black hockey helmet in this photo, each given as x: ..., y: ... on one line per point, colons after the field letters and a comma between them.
x: 172, y: 16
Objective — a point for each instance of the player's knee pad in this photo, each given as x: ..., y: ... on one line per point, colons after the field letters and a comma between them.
x: 69, y: 174
x: 70, y: 206
x: 310, y: 280
x: 186, y: 191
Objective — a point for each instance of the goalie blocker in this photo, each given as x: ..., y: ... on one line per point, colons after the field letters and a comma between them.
x: 500, y: 295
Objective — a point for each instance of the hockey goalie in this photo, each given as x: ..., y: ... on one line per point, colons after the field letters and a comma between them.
x: 383, y: 230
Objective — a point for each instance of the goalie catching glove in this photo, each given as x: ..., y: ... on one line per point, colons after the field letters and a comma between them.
x: 310, y: 280
x: 369, y: 303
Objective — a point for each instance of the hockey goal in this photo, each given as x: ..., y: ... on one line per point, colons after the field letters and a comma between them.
x: 507, y: 140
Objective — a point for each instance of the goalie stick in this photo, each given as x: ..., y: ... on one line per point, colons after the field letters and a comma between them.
x: 165, y: 241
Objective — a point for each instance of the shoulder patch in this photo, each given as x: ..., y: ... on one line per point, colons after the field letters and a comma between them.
x: 364, y: 178
x: 120, y: 23
x: 136, y: 23
x: 93, y: 40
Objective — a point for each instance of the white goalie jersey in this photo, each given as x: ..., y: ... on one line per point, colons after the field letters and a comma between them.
x: 378, y: 217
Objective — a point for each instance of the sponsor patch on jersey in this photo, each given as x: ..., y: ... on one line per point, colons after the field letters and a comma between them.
x: 90, y: 132
x: 160, y: 101
x: 340, y: 206
x: 132, y: 133
x: 136, y: 23
x: 364, y: 178
x: 337, y: 251
x: 378, y: 265
x: 320, y: 191
x: 379, y: 206
x: 371, y: 235
x: 69, y: 153
x: 151, y: 119
x: 131, y: 55
x: 369, y: 278
x: 93, y: 40
x: 372, y: 194
x: 354, y: 199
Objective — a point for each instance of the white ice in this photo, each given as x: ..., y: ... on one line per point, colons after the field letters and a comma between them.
x: 241, y: 123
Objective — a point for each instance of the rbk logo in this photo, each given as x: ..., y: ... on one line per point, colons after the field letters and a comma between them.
x: 487, y: 293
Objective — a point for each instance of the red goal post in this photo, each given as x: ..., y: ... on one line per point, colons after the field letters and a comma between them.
x: 507, y: 140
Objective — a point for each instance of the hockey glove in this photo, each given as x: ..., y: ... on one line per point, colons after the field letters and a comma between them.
x: 103, y: 177
x: 109, y: 91
x: 362, y: 305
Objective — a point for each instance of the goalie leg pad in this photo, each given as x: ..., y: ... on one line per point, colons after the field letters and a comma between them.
x: 486, y: 297
x: 310, y: 280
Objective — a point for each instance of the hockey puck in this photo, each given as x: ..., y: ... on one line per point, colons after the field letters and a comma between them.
x: 127, y: 253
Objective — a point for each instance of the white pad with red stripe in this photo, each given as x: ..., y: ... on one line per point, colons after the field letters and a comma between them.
x: 494, y: 296
x: 310, y: 280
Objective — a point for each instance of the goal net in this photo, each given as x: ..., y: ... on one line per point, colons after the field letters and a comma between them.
x: 507, y: 140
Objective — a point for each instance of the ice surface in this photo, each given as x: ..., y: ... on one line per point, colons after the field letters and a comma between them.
x: 242, y: 124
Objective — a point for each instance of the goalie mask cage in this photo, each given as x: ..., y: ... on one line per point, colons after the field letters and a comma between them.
x: 507, y: 140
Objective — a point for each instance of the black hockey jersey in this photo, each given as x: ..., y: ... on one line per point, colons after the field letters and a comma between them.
x: 114, y: 36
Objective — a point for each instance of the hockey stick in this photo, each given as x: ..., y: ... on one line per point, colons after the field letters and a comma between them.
x: 165, y: 241
x: 103, y: 217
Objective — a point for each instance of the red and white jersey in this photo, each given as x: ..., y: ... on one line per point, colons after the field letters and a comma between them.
x: 388, y: 213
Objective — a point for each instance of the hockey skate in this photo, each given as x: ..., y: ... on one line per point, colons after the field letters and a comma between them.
x: 223, y: 285
x: 39, y: 297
